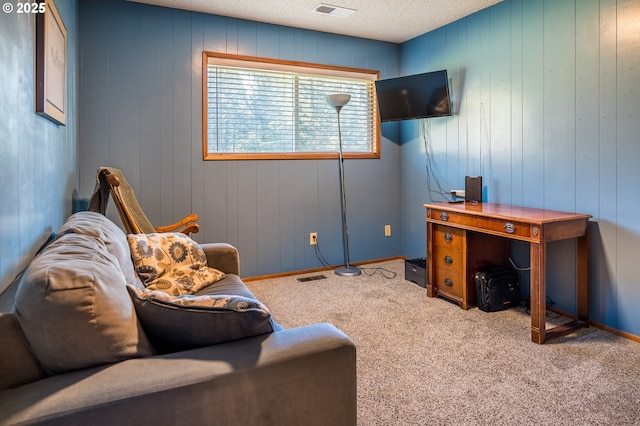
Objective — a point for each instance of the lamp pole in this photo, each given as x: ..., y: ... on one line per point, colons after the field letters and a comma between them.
x: 338, y: 101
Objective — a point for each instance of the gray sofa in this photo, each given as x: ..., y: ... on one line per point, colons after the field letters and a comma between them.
x: 76, y: 350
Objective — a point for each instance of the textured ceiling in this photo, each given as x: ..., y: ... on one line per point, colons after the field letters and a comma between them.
x: 387, y: 20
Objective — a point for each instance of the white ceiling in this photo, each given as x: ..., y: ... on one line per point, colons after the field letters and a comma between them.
x: 387, y: 20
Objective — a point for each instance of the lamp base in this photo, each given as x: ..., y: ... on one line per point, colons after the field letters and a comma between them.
x: 348, y: 271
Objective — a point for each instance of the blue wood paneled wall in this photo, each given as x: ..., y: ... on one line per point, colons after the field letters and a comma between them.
x: 141, y: 112
x: 38, y: 159
x: 548, y: 112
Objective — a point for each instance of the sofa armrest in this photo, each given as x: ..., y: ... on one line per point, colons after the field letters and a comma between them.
x: 223, y: 257
x: 304, y: 375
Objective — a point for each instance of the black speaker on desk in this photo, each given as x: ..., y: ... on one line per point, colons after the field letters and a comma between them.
x: 473, y: 188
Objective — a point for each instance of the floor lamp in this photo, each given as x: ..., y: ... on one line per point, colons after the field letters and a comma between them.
x: 337, y: 101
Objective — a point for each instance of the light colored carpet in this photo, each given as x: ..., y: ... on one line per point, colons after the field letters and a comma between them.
x: 424, y: 361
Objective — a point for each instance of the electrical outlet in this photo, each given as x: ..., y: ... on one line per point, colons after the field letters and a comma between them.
x: 313, y: 238
x: 387, y: 230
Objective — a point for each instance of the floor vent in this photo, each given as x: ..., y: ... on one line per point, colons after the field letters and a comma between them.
x: 312, y: 278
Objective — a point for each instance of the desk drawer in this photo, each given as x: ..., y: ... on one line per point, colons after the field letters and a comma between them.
x: 447, y: 236
x: 445, y: 258
x: 507, y: 228
x: 449, y: 283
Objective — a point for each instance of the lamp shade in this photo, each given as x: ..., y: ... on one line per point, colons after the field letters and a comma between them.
x: 338, y: 100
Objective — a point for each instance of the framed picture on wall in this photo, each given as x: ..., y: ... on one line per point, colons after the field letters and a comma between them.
x: 51, y: 64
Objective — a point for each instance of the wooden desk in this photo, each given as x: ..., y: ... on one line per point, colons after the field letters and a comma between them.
x: 477, y: 225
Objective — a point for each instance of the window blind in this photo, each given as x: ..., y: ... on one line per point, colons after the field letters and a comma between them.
x: 266, y: 111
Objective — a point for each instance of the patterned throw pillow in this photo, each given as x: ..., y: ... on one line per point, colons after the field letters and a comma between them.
x: 171, y: 262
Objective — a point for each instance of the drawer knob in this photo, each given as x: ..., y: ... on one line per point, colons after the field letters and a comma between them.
x: 509, y: 227
x: 448, y: 282
x: 444, y: 216
x: 448, y: 237
x: 448, y: 260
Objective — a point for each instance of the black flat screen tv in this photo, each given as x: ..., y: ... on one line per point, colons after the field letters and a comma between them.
x: 414, y: 96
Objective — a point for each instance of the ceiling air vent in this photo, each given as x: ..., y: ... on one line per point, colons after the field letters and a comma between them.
x: 337, y: 11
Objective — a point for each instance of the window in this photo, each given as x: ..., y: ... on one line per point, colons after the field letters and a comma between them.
x: 263, y: 108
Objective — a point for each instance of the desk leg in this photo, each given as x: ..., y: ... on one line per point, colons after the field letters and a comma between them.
x: 538, y: 253
x: 430, y: 263
x: 583, y: 276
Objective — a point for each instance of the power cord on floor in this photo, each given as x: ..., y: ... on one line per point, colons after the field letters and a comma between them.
x: 550, y: 303
x: 367, y: 271
x: 382, y: 271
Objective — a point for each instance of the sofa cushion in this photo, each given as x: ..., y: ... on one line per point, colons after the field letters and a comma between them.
x: 73, y: 307
x: 171, y: 262
x: 99, y: 226
x: 230, y: 284
x: 191, y: 321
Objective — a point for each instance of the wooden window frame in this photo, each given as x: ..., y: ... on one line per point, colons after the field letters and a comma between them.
x: 267, y: 63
